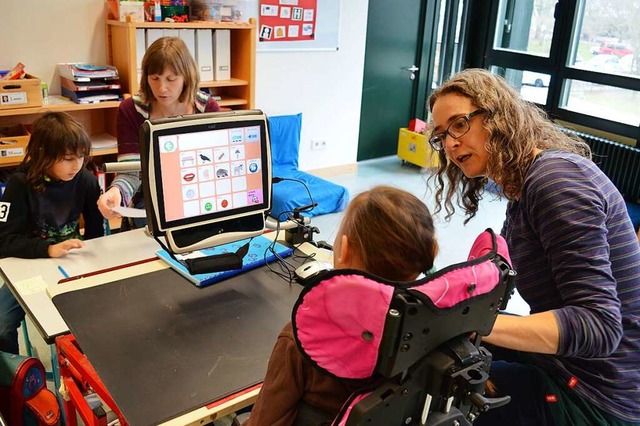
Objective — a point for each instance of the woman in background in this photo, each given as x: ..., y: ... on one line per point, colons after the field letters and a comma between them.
x: 168, y: 87
x: 575, y: 359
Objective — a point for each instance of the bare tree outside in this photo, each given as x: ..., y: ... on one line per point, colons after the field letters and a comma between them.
x: 610, y: 27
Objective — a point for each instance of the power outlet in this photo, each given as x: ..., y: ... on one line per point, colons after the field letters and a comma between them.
x: 318, y: 144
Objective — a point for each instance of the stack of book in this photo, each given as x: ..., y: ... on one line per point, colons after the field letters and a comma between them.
x: 87, y: 83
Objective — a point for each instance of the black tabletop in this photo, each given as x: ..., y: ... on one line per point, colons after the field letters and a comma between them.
x: 164, y: 347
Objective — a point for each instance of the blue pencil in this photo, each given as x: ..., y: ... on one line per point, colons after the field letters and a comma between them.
x: 64, y: 273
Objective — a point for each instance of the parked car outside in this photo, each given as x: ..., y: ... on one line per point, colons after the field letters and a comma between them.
x: 601, y: 63
x: 617, y: 49
x: 537, y: 79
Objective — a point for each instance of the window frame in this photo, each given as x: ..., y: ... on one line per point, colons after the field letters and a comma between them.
x: 479, y: 52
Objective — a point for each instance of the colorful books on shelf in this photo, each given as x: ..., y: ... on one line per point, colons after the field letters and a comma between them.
x: 93, y: 84
x: 87, y: 72
x: 88, y: 84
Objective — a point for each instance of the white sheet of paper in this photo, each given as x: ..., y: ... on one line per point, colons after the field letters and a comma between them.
x: 31, y: 285
x: 191, y: 255
x: 130, y: 212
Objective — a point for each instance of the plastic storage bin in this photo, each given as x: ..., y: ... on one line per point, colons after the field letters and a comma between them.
x: 243, y: 10
x: 206, y: 10
x: 414, y: 148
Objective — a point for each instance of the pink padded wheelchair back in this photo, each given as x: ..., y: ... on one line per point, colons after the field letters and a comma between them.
x: 414, y: 337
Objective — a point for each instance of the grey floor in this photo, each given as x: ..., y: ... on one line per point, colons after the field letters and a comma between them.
x: 454, y: 237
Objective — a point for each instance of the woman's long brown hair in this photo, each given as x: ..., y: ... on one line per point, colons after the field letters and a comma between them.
x: 170, y: 53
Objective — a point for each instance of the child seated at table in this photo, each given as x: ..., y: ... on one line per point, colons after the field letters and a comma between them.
x: 42, y: 203
x: 385, y: 231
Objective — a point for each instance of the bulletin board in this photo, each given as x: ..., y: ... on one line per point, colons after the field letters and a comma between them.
x: 317, y: 23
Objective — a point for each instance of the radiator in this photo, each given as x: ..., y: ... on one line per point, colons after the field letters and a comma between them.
x: 620, y: 162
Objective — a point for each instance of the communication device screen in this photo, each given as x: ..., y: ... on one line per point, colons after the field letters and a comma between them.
x: 212, y: 173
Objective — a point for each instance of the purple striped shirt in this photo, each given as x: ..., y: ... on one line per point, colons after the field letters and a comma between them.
x: 576, y: 253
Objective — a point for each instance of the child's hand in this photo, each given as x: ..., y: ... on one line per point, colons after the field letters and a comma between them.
x: 60, y: 249
x: 107, y: 201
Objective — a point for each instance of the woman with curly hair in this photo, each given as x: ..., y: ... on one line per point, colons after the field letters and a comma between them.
x: 574, y: 359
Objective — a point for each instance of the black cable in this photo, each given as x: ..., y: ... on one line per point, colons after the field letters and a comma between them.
x: 287, y: 270
x: 298, y: 210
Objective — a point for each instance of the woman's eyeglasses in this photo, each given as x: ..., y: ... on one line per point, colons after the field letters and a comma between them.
x: 458, y: 128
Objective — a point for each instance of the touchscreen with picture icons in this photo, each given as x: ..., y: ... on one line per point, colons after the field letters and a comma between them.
x: 206, y: 177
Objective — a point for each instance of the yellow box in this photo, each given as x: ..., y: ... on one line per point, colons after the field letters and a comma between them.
x: 414, y: 148
x: 13, y: 143
x: 23, y: 93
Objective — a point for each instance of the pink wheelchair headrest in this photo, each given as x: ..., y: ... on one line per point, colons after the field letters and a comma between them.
x: 339, y: 320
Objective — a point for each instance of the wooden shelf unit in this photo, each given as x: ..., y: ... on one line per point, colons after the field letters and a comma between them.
x: 99, y: 119
x: 238, y: 92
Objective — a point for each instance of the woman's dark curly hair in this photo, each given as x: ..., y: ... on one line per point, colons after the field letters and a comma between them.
x: 516, y: 128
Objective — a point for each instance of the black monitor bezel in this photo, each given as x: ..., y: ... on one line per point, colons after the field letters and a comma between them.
x: 201, y: 123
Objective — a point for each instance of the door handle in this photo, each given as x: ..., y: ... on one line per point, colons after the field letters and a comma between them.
x: 412, y: 69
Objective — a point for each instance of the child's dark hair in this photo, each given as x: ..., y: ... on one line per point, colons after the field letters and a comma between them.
x: 392, y: 231
x: 54, y: 136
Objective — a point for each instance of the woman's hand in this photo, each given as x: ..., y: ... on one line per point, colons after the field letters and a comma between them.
x: 60, y: 249
x: 107, y: 201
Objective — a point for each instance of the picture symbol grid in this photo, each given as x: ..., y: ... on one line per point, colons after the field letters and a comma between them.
x: 215, y: 179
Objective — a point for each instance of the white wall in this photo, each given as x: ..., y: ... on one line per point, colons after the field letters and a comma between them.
x: 325, y: 86
x: 42, y: 33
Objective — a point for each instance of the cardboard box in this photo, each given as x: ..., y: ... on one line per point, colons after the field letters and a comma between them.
x: 414, y: 148
x: 23, y: 93
x: 125, y: 11
x: 13, y: 143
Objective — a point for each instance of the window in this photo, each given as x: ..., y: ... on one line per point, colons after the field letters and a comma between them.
x: 449, y: 17
x: 579, y: 59
x: 599, y: 100
x: 606, y: 37
x: 448, y: 52
x: 526, y: 26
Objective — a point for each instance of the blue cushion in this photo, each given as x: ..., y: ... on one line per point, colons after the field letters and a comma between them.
x: 288, y: 195
x: 634, y: 213
x: 284, y: 132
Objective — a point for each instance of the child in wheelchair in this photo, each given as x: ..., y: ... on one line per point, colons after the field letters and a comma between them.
x: 386, y: 232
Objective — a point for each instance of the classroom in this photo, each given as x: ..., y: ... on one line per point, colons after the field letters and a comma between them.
x: 258, y: 212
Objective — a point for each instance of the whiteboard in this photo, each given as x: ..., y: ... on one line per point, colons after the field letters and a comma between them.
x: 326, y: 34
